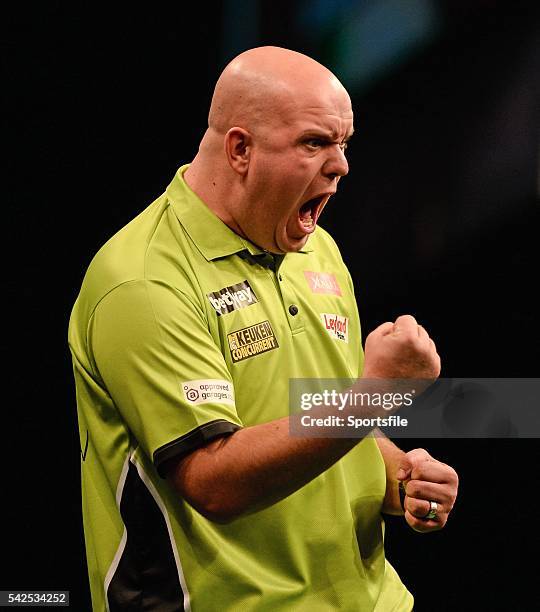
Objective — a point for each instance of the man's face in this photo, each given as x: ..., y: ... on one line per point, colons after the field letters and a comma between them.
x: 295, y: 165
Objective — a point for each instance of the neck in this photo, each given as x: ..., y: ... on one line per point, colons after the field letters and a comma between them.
x: 215, y: 188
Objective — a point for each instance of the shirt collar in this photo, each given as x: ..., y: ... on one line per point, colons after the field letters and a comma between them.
x: 212, y: 237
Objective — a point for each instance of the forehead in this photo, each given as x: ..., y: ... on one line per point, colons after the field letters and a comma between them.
x: 328, y: 110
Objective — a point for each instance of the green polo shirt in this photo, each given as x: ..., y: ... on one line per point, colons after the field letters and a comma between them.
x: 184, y: 331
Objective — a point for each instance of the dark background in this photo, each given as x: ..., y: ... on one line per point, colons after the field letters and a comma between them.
x: 438, y: 218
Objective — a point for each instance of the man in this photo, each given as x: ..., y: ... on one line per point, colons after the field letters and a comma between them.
x: 188, y: 327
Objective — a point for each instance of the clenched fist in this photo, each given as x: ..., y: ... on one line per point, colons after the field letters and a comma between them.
x: 401, y: 350
x: 425, y: 479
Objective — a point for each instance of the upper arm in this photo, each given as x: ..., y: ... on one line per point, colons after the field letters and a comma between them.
x: 164, y: 373
x: 193, y: 476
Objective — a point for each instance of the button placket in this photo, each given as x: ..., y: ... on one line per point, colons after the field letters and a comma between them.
x: 290, y: 301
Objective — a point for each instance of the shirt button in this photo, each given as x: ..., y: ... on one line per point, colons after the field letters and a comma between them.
x: 293, y: 309
x: 280, y: 277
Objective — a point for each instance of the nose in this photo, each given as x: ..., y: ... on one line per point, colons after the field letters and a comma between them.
x: 336, y: 165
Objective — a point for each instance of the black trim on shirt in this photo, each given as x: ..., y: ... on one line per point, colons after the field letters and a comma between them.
x: 192, y: 441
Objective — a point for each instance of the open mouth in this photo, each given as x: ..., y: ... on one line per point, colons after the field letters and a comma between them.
x: 309, y: 213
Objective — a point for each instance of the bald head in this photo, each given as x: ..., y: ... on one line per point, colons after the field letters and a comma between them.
x: 259, y: 86
x: 274, y: 149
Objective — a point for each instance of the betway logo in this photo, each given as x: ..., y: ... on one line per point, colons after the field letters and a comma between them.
x: 232, y: 298
x: 336, y: 325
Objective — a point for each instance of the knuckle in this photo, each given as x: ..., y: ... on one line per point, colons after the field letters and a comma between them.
x: 406, y: 317
x: 421, y: 457
x: 413, y: 489
x: 417, y: 507
x: 421, y: 472
x: 451, y: 476
x: 423, y: 348
x: 410, y: 334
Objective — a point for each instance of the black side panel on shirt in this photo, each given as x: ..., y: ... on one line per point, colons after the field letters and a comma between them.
x: 146, y: 577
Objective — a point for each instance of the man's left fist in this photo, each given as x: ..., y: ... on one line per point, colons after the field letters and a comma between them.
x: 427, y: 480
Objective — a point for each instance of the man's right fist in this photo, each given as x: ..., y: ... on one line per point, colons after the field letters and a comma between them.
x: 401, y: 350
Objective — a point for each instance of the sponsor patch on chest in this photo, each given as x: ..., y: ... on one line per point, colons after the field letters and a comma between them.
x: 251, y: 341
x: 322, y: 282
x: 232, y: 298
x: 336, y: 325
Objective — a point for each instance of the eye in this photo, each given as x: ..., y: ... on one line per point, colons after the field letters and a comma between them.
x: 314, y: 143
x: 317, y: 143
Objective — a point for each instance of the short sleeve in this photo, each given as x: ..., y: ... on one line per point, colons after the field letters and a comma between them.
x: 164, y: 372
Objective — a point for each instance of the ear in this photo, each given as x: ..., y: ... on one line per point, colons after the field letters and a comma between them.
x: 238, y: 144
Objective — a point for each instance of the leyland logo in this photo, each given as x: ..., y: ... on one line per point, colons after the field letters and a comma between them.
x: 336, y: 325
x: 232, y: 298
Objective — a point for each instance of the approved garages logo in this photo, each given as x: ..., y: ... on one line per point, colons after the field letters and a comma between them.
x: 208, y: 391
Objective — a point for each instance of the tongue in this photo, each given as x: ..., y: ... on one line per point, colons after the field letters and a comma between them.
x: 306, y: 211
x: 305, y: 215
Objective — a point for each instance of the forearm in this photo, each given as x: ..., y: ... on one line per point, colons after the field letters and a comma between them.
x: 392, y: 456
x: 260, y: 465
x: 253, y: 469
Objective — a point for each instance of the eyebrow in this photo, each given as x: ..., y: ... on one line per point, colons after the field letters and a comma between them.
x: 322, y: 133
